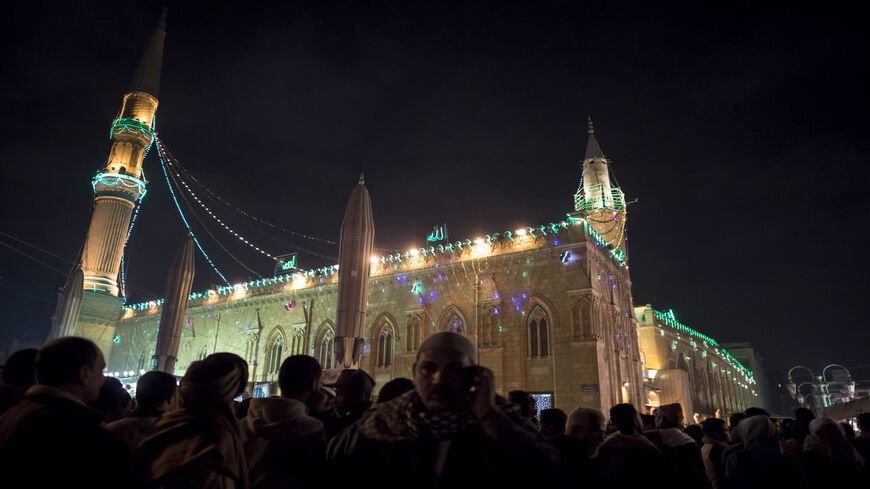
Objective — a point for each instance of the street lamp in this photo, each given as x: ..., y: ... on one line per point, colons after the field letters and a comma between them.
x: 819, y: 388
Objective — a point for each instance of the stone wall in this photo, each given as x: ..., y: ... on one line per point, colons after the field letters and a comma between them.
x: 715, y: 383
x: 550, y: 313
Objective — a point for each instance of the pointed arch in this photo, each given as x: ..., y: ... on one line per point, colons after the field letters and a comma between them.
x: 251, y: 348
x: 582, y: 313
x: 452, y: 319
x: 538, y: 325
x: 324, y: 344
x: 414, y: 333
x: 383, y: 335
x: 275, y: 349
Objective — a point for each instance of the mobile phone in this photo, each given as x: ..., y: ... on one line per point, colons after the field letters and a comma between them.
x: 470, y: 374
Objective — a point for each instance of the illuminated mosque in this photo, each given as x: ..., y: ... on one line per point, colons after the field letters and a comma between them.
x: 549, y: 306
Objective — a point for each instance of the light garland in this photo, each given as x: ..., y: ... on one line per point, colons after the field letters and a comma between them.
x: 211, y: 235
x: 669, y: 319
x: 176, y: 165
x: 174, y: 161
x: 120, y: 126
x: 115, y: 179
x: 219, y: 221
x: 180, y: 213
x: 124, y: 253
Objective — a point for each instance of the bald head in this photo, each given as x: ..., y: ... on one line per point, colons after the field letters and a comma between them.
x: 587, y: 425
x: 447, y: 341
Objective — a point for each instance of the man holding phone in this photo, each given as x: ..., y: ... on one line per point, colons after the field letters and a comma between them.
x: 452, y: 430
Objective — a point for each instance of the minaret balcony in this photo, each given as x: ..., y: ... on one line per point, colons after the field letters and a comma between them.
x: 132, y: 127
x: 598, y: 198
x: 119, y: 185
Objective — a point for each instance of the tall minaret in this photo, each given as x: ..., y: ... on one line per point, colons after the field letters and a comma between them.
x: 119, y: 184
x: 598, y: 200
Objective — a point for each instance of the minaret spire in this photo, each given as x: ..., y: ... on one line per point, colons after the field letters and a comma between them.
x: 597, y: 199
x: 147, y: 77
x: 593, y: 150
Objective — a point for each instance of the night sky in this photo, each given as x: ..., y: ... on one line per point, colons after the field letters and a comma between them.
x: 742, y: 133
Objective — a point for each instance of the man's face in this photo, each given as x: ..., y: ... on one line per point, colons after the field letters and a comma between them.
x: 590, y: 430
x: 348, y: 397
x: 440, y: 380
x: 92, y: 378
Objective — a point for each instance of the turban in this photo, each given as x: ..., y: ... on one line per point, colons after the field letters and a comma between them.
x: 216, y: 380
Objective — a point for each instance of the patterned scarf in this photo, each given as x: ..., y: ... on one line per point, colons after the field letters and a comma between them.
x: 406, y: 419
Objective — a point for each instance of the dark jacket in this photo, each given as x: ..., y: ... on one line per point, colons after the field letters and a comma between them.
x: 630, y: 461
x: 574, y: 463
x: 284, y: 446
x: 135, y: 428
x: 518, y: 457
x: 49, y: 440
x: 683, y: 466
x: 199, y: 448
x: 334, y: 423
x: 10, y: 395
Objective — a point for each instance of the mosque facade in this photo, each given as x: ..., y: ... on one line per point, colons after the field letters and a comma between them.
x: 549, y: 306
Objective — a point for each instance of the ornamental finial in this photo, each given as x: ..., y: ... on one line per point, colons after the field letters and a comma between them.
x: 362, y: 178
x: 589, y: 128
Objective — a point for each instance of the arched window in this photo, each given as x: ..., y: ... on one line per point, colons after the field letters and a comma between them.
x: 539, y: 333
x: 251, y: 349
x: 414, y: 333
x: 385, y: 347
x: 203, y: 352
x: 296, y: 343
x: 582, y: 317
x: 273, y: 359
x: 455, y: 324
x: 326, y: 349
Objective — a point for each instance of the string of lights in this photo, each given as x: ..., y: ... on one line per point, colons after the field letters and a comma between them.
x: 219, y: 221
x: 176, y: 166
x: 181, y: 213
x: 213, y: 237
x: 126, y: 242
x: 175, y: 162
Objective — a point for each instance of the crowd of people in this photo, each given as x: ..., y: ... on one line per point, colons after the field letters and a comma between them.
x: 64, y: 425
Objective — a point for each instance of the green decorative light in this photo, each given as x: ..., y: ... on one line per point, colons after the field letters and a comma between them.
x: 669, y: 319
x: 119, y: 179
x: 120, y: 126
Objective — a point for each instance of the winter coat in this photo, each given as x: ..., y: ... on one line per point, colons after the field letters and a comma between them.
x: 396, y: 454
x: 10, y: 395
x: 135, y: 428
x: 52, y: 440
x: 284, y: 446
x: 683, y: 465
x: 201, y: 448
x: 714, y: 465
x: 629, y: 461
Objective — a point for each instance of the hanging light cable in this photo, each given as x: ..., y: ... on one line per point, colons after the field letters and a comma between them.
x: 183, y: 219
x: 177, y: 176
x: 212, y: 236
x: 237, y: 209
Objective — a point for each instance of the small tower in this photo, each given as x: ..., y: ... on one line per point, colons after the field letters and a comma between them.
x: 598, y: 200
x: 119, y: 185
